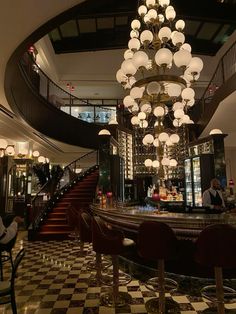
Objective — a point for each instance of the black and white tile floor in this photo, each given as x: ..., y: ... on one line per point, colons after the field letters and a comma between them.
x: 52, y: 279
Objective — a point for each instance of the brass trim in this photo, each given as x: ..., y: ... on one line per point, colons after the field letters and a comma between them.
x: 161, y: 78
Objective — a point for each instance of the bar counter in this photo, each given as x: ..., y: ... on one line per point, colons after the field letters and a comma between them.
x: 185, y: 225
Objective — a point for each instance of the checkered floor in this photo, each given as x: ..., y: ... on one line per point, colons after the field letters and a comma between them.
x: 53, y: 279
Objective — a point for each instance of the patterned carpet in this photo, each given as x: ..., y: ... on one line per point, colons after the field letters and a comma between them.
x: 53, y: 279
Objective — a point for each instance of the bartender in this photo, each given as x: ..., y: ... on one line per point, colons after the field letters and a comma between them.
x: 212, y: 198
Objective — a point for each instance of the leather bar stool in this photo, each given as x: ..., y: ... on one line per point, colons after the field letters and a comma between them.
x: 72, y: 216
x: 85, y: 229
x: 110, y: 242
x: 216, y: 247
x: 157, y: 242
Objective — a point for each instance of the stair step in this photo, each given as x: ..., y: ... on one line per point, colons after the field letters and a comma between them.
x: 55, y: 227
x: 56, y: 221
x: 57, y: 215
x: 60, y: 209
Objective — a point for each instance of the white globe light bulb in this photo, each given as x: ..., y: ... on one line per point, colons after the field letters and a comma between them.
x: 135, y: 24
x: 134, y: 33
x: 140, y: 59
x: 152, y: 14
x: 128, y: 101
x: 188, y: 94
x: 170, y: 14
x: 143, y: 124
x: 153, y: 88
x: 177, y: 105
x: 146, y: 37
x: 179, y: 113
x: 149, y: 138
x: 135, y: 120
x: 146, y: 107
x: 196, y: 65
x: 150, y: 3
x: 128, y: 68
x: 163, y: 137
x: 128, y: 54
x: 161, y: 18
x: 182, y: 58
x: 142, y: 116
x: 174, y: 138
x: 178, y: 38
x: 134, y: 44
x: 156, y: 142
x: 155, y: 164
x: 176, y: 123
x: 179, y: 25
x: 120, y: 76
x: 159, y: 111
x: 164, y: 34
x: 142, y: 10
x: 173, y: 90
x: 164, y: 3
x: 136, y: 92
x: 148, y: 162
x: 173, y: 163
x: 163, y: 57
x: 186, y: 47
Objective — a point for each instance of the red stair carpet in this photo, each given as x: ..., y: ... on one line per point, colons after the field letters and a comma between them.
x: 80, y: 195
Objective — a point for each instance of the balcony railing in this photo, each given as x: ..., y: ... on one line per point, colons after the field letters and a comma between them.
x: 225, y: 69
x: 90, y: 110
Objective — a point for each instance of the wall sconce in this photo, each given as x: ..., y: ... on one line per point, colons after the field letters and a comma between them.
x: 5, y: 149
x: 35, y: 154
x: 70, y: 87
x: 41, y: 159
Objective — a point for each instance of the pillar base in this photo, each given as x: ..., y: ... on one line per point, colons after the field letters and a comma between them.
x: 171, y: 307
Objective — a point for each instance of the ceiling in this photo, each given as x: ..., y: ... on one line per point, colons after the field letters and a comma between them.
x: 106, y: 29
x: 107, y: 25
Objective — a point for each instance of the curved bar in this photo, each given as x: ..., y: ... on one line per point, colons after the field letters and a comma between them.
x: 187, y: 226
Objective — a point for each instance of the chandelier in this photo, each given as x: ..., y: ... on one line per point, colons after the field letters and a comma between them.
x: 158, y: 71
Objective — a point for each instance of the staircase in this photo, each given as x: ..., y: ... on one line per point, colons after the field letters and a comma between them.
x: 80, y: 195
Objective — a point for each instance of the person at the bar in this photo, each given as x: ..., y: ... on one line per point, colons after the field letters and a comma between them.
x: 212, y: 198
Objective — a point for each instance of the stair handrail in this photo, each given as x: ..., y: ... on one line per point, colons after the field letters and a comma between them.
x: 56, y: 196
x: 39, y: 206
x: 223, y: 72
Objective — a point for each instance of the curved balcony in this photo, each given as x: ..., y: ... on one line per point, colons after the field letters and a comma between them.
x: 221, y: 85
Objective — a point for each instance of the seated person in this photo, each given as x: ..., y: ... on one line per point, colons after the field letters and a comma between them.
x: 7, y: 234
x: 212, y: 198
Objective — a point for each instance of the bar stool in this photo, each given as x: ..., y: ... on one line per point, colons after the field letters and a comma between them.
x: 157, y: 242
x: 85, y: 228
x: 110, y: 242
x: 73, y: 221
x: 216, y: 247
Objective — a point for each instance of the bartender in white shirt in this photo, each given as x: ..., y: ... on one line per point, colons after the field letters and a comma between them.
x: 212, y: 197
x: 7, y: 234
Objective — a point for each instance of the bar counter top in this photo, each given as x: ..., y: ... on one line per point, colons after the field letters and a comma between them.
x: 185, y: 225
